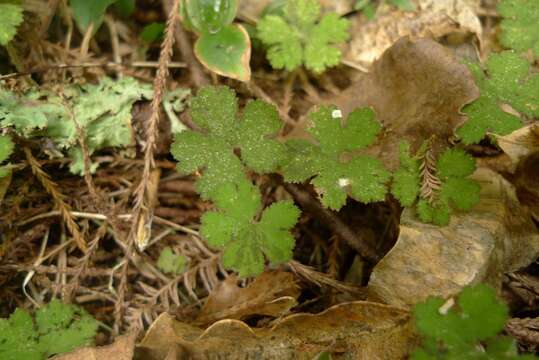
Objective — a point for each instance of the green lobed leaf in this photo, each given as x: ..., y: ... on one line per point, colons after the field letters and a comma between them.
x: 363, y: 177
x: 455, y: 332
x: 214, y: 110
x: 406, y: 180
x: 509, y: 81
x: 11, y: 16
x: 301, y: 163
x: 302, y: 12
x: 520, y: 25
x: 226, y: 52
x: 455, y: 163
x: 438, y: 213
x: 361, y: 129
x: 260, y: 152
x: 58, y: 328
x: 463, y: 194
x: 284, y: 45
x: 482, y: 314
x: 245, y: 241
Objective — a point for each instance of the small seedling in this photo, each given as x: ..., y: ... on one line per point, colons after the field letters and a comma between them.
x: 300, y: 37
x: 466, y: 330
x: 171, y: 263
x: 56, y: 328
x: 436, y: 187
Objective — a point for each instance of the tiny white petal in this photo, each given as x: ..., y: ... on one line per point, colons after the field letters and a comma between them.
x: 444, y: 309
x: 344, y: 182
x: 336, y: 114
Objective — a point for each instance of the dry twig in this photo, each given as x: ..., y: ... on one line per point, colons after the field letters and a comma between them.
x: 51, y: 187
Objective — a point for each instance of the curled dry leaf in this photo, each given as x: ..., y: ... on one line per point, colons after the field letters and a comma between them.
x: 434, y: 18
x: 122, y: 349
x: 417, y: 90
x: 498, y: 236
x: 273, y: 293
x: 522, y: 147
x: 359, y: 330
x: 520, y: 143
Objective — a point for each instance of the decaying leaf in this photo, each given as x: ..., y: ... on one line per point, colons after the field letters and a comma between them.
x: 497, y: 237
x: 520, y: 143
x: 122, y: 349
x: 522, y: 147
x: 358, y: 330
x: 434, y: 18
x: 273, y: 293
x: 417, y: 90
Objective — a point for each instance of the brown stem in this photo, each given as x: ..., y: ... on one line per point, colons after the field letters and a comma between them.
x: 333, y: 221
x: 183, y: 44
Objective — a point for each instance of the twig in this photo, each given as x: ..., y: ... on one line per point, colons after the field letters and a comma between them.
x: 103, y: 217
x: 143, y: 212
x: 320, y: 279
x: 332, y: 220
x: 146, y: 64
x: 198, y: 76
x: 58, y: 197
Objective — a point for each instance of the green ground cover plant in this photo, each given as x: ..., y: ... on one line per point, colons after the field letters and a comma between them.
x: 468, y: 329
x: 54, y: 329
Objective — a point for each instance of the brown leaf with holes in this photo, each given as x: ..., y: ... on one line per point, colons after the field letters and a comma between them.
x: 417, y: 90
x: 122, y: 349
x: 434, y: 19
x: 356, y: 330
x: 273, y: 294
x: 497, y: 236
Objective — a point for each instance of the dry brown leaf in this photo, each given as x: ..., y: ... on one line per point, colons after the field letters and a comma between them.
x: 122, y: 349
x: 520, y: 143
x: 417, y: 89
x: 526, y: 181
x: 497, y: 236
x: 359, y: 330
x: 433, y: 18
x: 522, y: 147
x: 273, y: 293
